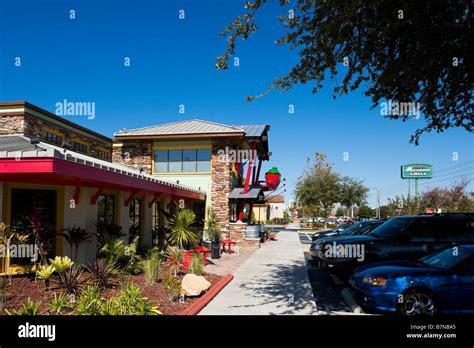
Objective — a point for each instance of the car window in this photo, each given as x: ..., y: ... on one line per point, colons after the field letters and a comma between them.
x: 456, y: 230
x: 366, y: 229
x: 424, y: 230
x: 392, y: 227
x: 447, y: 258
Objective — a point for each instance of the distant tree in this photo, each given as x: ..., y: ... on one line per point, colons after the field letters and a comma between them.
x: 318, y: 186
x: 366, y: 212
x: 456, y: 199
x: 405, y: 51
x: 341, y: 211
x: 352, y: 191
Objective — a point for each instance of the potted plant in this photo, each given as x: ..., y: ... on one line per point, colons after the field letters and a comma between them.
x: 213, y: 232
x: 182, y: 234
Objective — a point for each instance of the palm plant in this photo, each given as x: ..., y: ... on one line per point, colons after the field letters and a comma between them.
x: 75, y: 236
x: 181, y: 232
x: 212, y: 226
x: 69, y: 280
x: 175, y: 261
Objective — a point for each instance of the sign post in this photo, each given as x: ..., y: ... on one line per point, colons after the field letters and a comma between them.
x: 416, y: 171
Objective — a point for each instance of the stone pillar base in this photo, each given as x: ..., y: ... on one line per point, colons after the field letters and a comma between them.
x: 237, y: 233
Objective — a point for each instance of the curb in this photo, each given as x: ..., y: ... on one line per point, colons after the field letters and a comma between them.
x: 195, y: 307
x: 346, y: 294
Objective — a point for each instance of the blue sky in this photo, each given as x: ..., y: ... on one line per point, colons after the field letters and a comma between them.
x: 173, y: 63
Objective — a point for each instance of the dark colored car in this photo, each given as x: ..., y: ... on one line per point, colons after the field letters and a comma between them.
x: 400, y: 238
x: 350, y: 230
x: 442, y: 282
x: 333, y: 232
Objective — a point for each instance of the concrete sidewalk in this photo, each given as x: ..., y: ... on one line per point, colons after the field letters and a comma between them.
x: 274, y: 280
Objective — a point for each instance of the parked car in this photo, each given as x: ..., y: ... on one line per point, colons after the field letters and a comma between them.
x: 349, y: 230
x: 331, y: 232
x: 404, y: 237
x: 442, y: 282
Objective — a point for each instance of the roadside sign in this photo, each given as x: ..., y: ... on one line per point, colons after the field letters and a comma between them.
x: 416, y: 171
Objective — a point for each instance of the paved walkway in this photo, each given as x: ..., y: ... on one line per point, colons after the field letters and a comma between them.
x: 274, y: 280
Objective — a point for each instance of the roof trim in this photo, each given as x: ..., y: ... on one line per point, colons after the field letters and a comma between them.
x: 26, y: 105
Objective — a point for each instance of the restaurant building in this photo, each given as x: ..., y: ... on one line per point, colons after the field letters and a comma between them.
x: 64, y: 173
x: 71, y: 176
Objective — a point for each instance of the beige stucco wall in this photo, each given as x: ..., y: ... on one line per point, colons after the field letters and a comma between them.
x: 83, y: 215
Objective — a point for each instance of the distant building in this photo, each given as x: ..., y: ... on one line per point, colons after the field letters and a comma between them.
x: 273, y: 208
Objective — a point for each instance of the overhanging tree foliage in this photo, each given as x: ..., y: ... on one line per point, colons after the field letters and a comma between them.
x: 405, y: 51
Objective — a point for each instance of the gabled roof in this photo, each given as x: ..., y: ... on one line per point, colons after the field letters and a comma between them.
x: 191, y: 127
x: 256, y: 130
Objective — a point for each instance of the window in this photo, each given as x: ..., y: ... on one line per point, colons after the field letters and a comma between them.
x: 183, y: 161
x: 106, y: 208
x: 105, y: 155
x: 79, y: 147
x: 52, y: 138
x: 134, y: 214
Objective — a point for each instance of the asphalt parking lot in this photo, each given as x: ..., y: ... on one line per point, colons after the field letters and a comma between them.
x: 330, y: 292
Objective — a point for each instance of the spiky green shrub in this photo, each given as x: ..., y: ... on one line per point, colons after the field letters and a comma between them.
x: 60, y: 303
x: 212, y: 227
x: 182, y: 234
x: 61, y: 263
x: 152, y: 268
x: 173, y: 286
x: 89, y: 302
x: 196, y: 265
x: 28, y: 308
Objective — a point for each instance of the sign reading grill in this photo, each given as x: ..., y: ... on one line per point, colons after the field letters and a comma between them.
x: 416, y: 171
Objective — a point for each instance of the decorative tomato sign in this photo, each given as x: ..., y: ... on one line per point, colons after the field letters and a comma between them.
x: 273, y: 177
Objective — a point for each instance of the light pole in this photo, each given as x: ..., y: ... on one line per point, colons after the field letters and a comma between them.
x: 377, y: 202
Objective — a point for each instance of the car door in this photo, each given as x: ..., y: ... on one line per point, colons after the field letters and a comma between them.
x: 461, y: 292
x: 417, y: 240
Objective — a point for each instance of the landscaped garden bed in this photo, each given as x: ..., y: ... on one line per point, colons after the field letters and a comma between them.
x: 24, y: 287
x: 125, y: 279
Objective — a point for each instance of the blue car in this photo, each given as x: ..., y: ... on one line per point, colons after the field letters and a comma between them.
x: 442, y: 282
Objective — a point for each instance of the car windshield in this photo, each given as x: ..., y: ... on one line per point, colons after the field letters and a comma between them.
x: 447, y: 258
x: 342, y: 227
x: 391, y: 228
x: 351, y: 230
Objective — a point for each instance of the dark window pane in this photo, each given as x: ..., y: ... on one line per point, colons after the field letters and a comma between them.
x: 161, y: 155
x: 189, y: 155
x: 176, y: 155
x: 204, y: 155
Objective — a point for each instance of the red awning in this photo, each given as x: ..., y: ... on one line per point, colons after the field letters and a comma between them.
x: 57, y: 171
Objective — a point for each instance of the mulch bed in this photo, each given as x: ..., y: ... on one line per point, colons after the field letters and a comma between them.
x: 24, y: 287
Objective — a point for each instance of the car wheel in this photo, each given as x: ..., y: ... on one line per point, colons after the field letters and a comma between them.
x: 418, y: 302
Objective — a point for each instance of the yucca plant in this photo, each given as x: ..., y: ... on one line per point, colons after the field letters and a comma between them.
x: 45, y: 273
x: 101, y: 273
x: 60, y: 303
x: 61, y: 263
x: 212, y: 226
x: 181, y: 233
x: 28, y: 308
x: 75, y: 236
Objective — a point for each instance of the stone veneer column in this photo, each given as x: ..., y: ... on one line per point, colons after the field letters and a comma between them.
x: 221, y: 181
